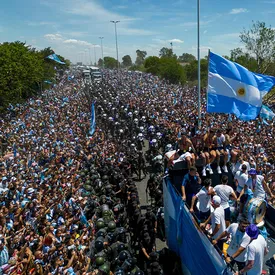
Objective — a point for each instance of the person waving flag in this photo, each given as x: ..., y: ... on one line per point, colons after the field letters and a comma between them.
x: 233, y: 89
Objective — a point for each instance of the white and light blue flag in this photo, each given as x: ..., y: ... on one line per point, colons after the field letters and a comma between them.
x: 267, y: 113
x: 233, y: 89
x: 92, y: 120
x: 55, y: 58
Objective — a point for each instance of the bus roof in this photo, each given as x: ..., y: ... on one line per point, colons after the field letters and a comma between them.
x: 94, y: 68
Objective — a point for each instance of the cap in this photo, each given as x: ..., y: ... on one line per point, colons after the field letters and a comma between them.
x: 252, y: 171
x: 252, y: 231
x: 216, y: 200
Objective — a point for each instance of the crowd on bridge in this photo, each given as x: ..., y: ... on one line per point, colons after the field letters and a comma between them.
x: 69, y: 202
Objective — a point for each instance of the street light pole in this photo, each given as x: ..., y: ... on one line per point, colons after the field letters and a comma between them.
x: 101, y: 38
x: 90, y: 56
x: 199, y: 65
x: 95, y: 53
x: 115, y: 22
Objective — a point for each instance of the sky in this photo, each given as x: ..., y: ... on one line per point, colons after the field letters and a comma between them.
x: 72, y: 27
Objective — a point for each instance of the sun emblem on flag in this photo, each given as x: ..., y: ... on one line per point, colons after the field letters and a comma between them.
x: 241, y: 92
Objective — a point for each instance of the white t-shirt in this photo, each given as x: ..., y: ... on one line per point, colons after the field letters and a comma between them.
x: 220, y: 140
x: 204, y: 199
x: 257, y: 187
x: 238, y: 166
x: 238, y: 239
x: 217, y: 217
x: 3, y: 188
x: 241, y: 178
x: 255, y: 252
x: 224, y: 191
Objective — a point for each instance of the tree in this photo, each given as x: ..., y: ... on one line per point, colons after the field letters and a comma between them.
x: 167, y: 68
x: 186, y: 58
x: 236, y: 53
x: 171, y: 70
x: 152, y: 64
x: 259, y: 41
x: 191, y: 71
x: 140, y: 57
x: 244, y: 59
x: 166, y: 53
x: 100, y: 62
x: 110, y: 62
x: 127, y: 61
x: 23, y: 70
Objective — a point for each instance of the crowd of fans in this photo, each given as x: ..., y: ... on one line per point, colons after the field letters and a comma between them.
x: 68, y: 201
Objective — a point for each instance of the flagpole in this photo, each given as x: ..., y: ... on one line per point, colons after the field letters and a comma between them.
x: 199, y: 65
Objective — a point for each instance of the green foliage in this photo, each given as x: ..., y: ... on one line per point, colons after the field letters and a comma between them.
x: 192, y: 72
x: 126, y: 61
x: 137, y: 68
x: 167, y: 68
x: 152, y: 65
x: 259, y: 42
x: 110, y: 62
x: 23, y: 70
x: 100, y: 63
x: 172, y: 71
x: 244, y: 59
x: 140, y: 57
x: 166, y: 53
x: 186, y: 58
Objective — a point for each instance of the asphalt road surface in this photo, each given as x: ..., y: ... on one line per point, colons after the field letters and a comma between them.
x: 141, y: 186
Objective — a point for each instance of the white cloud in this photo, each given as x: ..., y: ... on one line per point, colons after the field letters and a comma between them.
x: 73, y: 42
x: 237, y: 11
x: 163, y: 41
x: 205, y: 32
x: 37, y: 24
x: 78, y: 42
x: 101, y: 17
x: 93, y: 10
x: 54, y: 37
x: 76, y: 33
x: 132, y: 31
x: 175, y: 40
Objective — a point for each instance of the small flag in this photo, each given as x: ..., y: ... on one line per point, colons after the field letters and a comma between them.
x: 233, y: 89
x: 14, y: 147
x: 265, y: 122
x: 266, y: 113
x: 92, y: 121
x: 55, y: 58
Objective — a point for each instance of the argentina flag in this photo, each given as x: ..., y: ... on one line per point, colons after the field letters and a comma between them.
x: 232, y: 89
x: 267, y: 113
x: 55, y: 58
x: 92, y: 121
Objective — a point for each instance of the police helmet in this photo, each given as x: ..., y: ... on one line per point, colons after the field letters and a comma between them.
x: 111, y: 226
x: 123, y: 255
x: 99, y: 261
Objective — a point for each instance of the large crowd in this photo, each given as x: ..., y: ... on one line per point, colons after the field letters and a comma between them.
x: 69, y: 202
